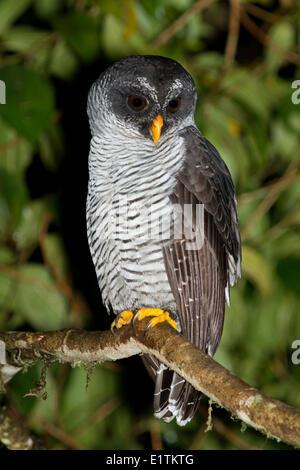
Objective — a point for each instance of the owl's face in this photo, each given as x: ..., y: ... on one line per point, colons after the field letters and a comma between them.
x: 142, y: 96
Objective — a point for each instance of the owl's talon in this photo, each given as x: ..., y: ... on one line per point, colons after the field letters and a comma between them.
x: 122, y: 319
x: 159, y: 317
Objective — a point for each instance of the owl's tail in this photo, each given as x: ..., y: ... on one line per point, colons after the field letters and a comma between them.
x: 174, y: 397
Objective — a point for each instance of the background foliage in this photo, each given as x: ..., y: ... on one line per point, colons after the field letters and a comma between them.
x: 244, y: 57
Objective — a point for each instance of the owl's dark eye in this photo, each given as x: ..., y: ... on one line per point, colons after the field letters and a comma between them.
x: 174, y: 105
x: 137, y: 103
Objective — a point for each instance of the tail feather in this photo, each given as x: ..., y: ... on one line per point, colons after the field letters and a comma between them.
x: 173, y: 396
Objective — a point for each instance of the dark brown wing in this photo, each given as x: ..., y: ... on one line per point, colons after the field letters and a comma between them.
x: 200, y: 278
x: 206, y: 176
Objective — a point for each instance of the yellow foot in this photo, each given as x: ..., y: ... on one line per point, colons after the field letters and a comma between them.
x: 159, y: 314
x: 122, y: 319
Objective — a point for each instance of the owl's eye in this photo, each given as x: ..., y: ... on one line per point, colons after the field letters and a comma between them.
x: 174, y: 105
x: 137, y: 103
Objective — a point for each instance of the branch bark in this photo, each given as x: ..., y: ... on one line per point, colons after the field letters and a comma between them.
x: 14, y: 435
x: 79, y: 347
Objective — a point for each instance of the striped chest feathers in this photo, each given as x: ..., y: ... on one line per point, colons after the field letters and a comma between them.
x: 130, y: 185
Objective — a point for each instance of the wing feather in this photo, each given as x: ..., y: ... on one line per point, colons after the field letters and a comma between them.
x: 200, y: 278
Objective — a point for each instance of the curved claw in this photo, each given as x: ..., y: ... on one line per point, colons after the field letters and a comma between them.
x: 159, y: 317
x: 121, y: 319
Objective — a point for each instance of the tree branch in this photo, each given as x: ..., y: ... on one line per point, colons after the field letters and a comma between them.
x: 80, y: 347
x: 14, y: 435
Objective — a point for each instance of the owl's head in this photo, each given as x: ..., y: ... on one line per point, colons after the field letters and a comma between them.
x: 142, y: 97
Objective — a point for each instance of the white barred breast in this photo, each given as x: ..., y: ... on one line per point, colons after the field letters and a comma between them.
x: 130, y: 216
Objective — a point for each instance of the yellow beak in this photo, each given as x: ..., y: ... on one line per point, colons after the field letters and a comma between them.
x: 157, y: 124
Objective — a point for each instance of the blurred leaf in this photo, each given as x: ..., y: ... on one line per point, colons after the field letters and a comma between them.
x: 113, y: 41
x: 249, y: 91
x: 30, y: 101
x: 219, y: 133
x: 7, y: 256
x: 51, y: 147
x: 7, y: 289
x: 47, y: 8
x: 27, y: 231
x: 10, y: 10
x: 82, y: 33
x: 289, y: 271
x: 282, y: 34
x: 284, y: 141
x: 130, y: 19
x: 45, y: 409
x: 23, y: 38
x: 13, y: 197
x: 55, y: 252
x: 15, y: 152
x: 287, y: 244
x: 179, y: 4
x: 63, y: 61
x: 207, y: 60
x: 256, y: 269
x: 22, y: 383
x: 114, y: 7
x: 78, y: 403
x: 37, y: 298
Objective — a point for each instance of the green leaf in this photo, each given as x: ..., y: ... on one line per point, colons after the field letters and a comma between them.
x: 78, y: 403
x: 56, y: 254
x: 282, y: 34
x: 243, y: 87
x: 51, y: 147
x: 21, y: 384
x: 27, y: 231
x: 7, y: 256
x: 29, y: 101
x: 23, y: 38
x: 47, y: 8
x: 13, y: 197
x: 289, y: 271
x: 15, y: 151
x: 7, y: 289
x: 10, y: 10
x: 256, y: 269
x: 63, y: 64
x: 36, y: 297
x: 208, y: 60
x: 81, y: 31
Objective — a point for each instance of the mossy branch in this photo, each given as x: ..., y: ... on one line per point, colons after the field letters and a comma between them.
x: 14, y: 434
x: 272, y: 417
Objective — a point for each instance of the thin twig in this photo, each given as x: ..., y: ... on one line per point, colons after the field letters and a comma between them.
x: 264, y: 39
x: 178, y: 24
x: 101, y: 413
x: 289, y: 176
x: 233, y: 34
x: 59, y: 434
x: 261, y: 13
